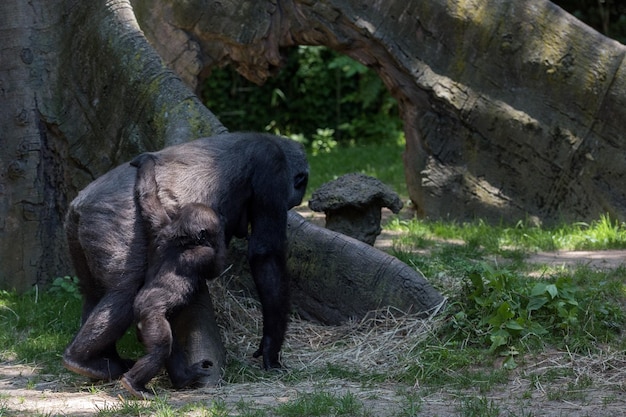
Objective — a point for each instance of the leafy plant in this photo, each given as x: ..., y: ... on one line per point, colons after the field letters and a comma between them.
x: 502, y: 309
x: 323, y: 141
x: 66, y: 285
x: 318, y: 92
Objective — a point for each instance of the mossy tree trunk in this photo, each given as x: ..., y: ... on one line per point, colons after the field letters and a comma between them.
x: 81, y: 91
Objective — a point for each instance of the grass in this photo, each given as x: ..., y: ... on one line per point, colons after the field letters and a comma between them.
x: 558, y: 330
x: 503, y: 239
x: 41, y: 324
x: 380, y: 160
x: 322, y: 403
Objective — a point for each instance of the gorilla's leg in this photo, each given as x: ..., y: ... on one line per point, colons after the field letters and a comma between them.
x: 154, y: 303
x: 156, y: 336
x: 273, y: 289
x: 81, y: 267
x: 92, y: 353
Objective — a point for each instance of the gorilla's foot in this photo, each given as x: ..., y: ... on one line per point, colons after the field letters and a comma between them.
x: 99, y: 369
x: 138, y: 391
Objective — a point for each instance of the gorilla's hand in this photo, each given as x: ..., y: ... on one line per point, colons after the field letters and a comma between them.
x: 269, y: 351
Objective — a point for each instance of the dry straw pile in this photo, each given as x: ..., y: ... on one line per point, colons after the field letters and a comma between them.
x: 381, y: 341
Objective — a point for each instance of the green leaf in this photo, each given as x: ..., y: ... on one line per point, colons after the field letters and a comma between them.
x: 538, y: 289
x: 513, y: 325
x: 536, y: 329
x: 552, y: 290
x: 498, y: 338
x: 477, y: 281
x: 509, y: 363
x: 535, y: 303
x: 505, y: 311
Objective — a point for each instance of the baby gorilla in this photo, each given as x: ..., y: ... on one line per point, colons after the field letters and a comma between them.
x: 184, y: 251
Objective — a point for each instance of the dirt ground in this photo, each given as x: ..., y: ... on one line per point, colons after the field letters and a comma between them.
x: 26, y: 391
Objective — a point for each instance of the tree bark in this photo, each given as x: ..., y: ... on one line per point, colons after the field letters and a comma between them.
x: 33, y: 179
x: 503, y: 121
x: 512, y: 121
x: 82, y: 91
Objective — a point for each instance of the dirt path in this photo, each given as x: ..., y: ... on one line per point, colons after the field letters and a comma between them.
x: 25, y: 392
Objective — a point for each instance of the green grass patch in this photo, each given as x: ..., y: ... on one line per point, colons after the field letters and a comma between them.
x: 380, y: 160
x: 497, y: 312
x: 38, y: 325
x: 322, y: 404
x: 603, y: 233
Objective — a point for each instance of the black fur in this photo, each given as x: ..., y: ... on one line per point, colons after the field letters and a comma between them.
x: 183, y: 253
x: 250, y: 180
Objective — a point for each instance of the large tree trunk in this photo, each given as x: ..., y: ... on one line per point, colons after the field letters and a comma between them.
x: 511, y: 109
x: 33, y: 181
x: 502, y: 121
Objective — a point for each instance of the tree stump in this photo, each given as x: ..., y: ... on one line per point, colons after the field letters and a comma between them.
x: 353, y: 204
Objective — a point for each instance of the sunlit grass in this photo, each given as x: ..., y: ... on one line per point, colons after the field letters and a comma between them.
x: 322, y: 404
x: 383, y: 161
x: 36, y: 326
x: 603, y: 233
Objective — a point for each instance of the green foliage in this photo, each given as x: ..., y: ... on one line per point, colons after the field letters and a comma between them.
x: 503, y: 309
x: 66, y: 285
x: 318, y: 95
x: 323, y: 141
x: 606, y: 16
x: 562, y: 311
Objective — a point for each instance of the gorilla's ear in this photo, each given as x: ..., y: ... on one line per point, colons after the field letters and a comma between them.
x: 300, y: 180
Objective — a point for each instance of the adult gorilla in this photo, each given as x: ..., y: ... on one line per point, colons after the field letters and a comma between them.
x: 248, y: 179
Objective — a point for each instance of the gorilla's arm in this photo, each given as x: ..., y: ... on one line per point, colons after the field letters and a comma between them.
x: 146, y: 192
x: 267, y: 247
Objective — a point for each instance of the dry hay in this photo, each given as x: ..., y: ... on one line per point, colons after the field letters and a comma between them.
x: 386, y: 341
x: 380, y: 340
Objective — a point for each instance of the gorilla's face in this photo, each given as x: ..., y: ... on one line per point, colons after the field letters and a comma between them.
x: 300, y: 182
x: 299, y: 169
